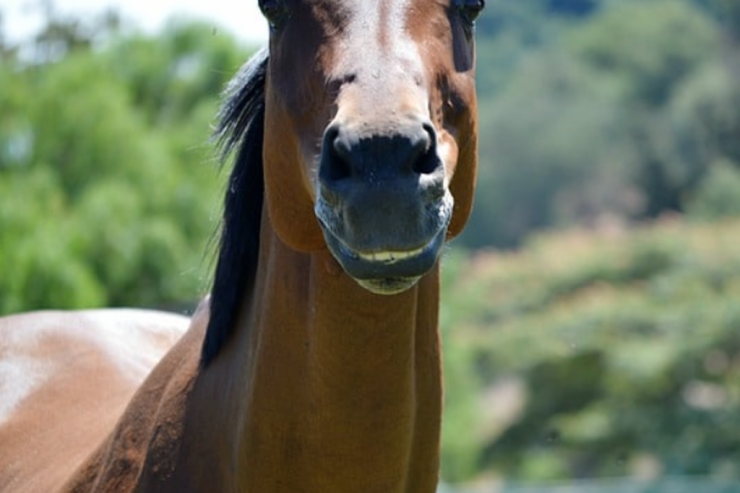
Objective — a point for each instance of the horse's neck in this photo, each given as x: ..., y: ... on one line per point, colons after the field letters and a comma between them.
x: 328, y: 387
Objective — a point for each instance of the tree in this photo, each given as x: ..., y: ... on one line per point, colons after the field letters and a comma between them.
x: 107, y: 192
x: 590, y: 118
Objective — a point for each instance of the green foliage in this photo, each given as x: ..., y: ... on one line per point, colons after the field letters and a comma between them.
x: 704, y: 119
x: 603, y: 354
x: 536, y: 171
x: 168, y: 79
x: 718, y: 195
x: 107, y: 190
x: 460, y: 448
x: 648, y: 47
x: 618, y: 111
x: 39, y: 260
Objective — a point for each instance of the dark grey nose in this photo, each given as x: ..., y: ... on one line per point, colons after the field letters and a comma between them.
x: 406, y: 153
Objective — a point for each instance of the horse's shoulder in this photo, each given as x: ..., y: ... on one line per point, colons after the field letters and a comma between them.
x: 148, y: 434
x: 65, y: 378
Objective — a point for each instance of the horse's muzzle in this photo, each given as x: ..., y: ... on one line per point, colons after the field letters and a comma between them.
x: 383, y: 204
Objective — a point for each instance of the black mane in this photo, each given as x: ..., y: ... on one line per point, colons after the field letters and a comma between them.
x: 240, y: 127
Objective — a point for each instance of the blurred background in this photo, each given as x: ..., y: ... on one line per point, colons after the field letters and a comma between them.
x: 591, y: 310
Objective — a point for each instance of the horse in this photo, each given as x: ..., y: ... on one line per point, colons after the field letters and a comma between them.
x: 314, y: 364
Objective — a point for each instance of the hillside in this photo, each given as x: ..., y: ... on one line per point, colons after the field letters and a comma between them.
x: 593, y: 109
x: 596, y: 354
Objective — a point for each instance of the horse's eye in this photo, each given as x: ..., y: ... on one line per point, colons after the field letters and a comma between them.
x: 470, y: 9
x: 274, y: 11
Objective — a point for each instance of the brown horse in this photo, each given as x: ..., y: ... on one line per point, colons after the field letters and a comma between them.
x: 314, y: 366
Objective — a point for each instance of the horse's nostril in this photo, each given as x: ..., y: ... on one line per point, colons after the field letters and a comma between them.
x: 427, y: 162
x: 337, y: 156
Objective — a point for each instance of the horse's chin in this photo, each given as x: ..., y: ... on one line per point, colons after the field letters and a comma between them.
x: 388, y: 286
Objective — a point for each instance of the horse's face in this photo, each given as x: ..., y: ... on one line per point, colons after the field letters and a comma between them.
x: 376, y: 101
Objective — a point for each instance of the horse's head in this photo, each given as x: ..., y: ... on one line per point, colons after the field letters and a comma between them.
x: 376, y: 101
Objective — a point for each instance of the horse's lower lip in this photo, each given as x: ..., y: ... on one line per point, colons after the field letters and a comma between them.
x: 386, y: 267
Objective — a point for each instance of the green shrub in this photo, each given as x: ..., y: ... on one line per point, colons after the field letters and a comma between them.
x: 718, y: 195
x: 624, y: 345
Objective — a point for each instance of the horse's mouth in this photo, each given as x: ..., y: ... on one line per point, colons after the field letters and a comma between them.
x: 386, y: 271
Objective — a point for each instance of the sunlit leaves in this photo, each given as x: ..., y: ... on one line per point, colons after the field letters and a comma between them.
x: 108, y: 192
